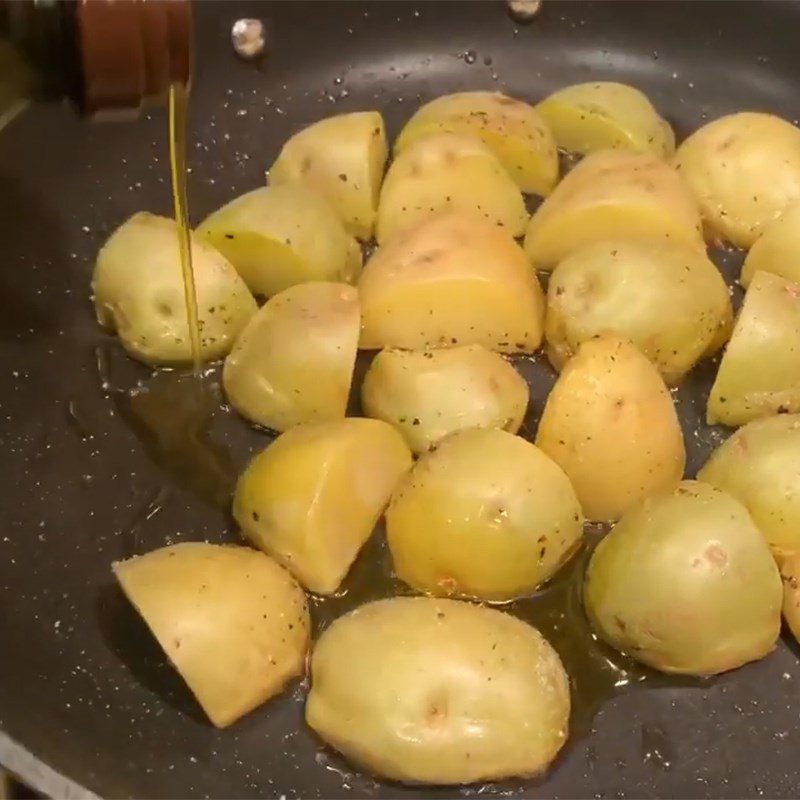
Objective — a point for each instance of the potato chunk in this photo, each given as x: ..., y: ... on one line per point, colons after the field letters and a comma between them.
x: 790, y: 573
x: 438, y: 691
x: 312, y: 498
x: 454, y: 279
x: 342, y: 158
x: 429, y: 394
x: 232, y: 622
x: 294, y: 361
x: 777, y: 249
x: 744, y: 170
x: 138, y: 293
x: 445, y: 172
x: 511, y: 129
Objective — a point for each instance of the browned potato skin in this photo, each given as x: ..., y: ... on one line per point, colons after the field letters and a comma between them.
x: 790, y: 573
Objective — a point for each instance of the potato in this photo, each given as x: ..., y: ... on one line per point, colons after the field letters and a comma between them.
x: 294, y: 361
x: 790, y: 572
x: 454, y: 279
x: 511, y: 129
x: 685, y: 583
x: 601, y: 115
x: 232, y: 622
x: 429, y: 394
x: 609, y: 195
x: 744, y: 170
x: 444, y: 172
x: 760, y: 466
x: 438, y: 691
x: 312, y: 498
x: 278, y: 236
x: 610, y: 424
x: 486, y: 515
x: 138, y: 293
x: 667, y: 298
x: 760, y: 370
x: 342, y: 158
x: 777, y: 249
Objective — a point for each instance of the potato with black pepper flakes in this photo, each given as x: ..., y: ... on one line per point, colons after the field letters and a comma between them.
x: 777, y: 249
x: 790, y: 573
x: 425, y: 690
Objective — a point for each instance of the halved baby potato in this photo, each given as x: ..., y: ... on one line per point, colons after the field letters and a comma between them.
x: 232, y: 621
x: 448, y: 171
x: 294, y: 361
x: 453, y: 279
x: 603, y: 115
x: 278, y: 236
x: 613, y: 194
x: 138, y: 293
x: 511, y: 129
x: 342, y: 158
x: 790, y: 573
x: 777, y: 249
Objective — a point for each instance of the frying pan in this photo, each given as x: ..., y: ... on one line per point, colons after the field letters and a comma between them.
x: 87, y: 704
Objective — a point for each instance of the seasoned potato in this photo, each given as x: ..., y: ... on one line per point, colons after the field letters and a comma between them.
x: 342, y: 158
x: 294, y: 361
x: 278, y: 236
x: 610, y: 424
x: 611, y: 195
x: 777, y: 249
x: 486, y: 515
x: 667, y: 298
x: 138, y: 293
x: 438, y: 691
x: 686, y: 583
x: 454, y: 279
x: 790, y: 572
x: 760, y: 370
x: 444, y: 172
x: 429, y: 394
x: 312, y: 498
x: 744, y: 170
x: 511, y: 129
x: 760, y: 466
x: 232, y: 622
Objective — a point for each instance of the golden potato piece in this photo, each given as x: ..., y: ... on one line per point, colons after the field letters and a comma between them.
x: 603, y: 115
x: 744, y: 170
x: 429, y: 394
x: 486, y: 515
x: 448, y: 172
x: 427, y: 690
x: 454, y: 279
x: 342, y: 158
x: 232, y: 622
x: 610, y: 424
x: 790, y: 572
x: 312, y: 498
x: 294, y: 361
x: 777, y: 249
x: 667, y: 298
x: 760, y: 370
x: 511, y: 129
x: 278, y: 236
x: 138, y: 293
x: 611, y: 195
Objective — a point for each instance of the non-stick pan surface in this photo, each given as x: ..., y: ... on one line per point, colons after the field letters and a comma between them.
x: 83, y: 688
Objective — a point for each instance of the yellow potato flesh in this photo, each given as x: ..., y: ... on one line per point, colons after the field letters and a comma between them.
x: 232, y: 622
x: 610, y: 195
x: 588, y: 117
x: 429, y: 394
x: 279, y: 236
x: 744, y: 170
x: 511, y: 129
x: 486, y: 515
x: 342, y: 158
x: 312, y: 498
x: 777, y: 249
x: 448, y: 172
x: 610, y: 424
x: 437, y: 691
x: 790, y: 572
x: 759, y: 373
x: 294, y: 361
x: 454, y: 279
x: 138, y: 293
